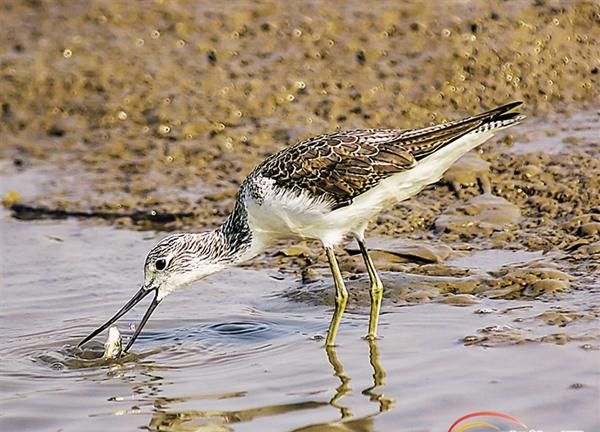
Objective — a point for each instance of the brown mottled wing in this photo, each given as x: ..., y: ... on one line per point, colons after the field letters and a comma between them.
x: 344, y: 165
x: 339, y: 166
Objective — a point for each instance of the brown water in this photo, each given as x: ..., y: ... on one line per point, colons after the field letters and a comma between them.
x: 233, y: 353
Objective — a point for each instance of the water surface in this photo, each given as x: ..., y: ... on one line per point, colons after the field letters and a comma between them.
x: 232, y: 353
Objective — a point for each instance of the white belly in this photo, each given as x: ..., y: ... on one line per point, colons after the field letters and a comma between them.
x: 295, y: 217
x: 282, y: 216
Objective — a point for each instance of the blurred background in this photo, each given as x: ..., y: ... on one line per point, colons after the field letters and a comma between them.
x: 145, y: 98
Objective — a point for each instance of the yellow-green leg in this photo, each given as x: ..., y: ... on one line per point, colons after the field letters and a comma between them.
x: 376, y: 290
x: 385, y: 403
x: 341, y: 297
x: 343, y: 388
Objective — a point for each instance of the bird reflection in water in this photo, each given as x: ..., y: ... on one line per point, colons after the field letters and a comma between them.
x: 215, y: 420
x: 385, y: 403
x: 346, y: 422
x: 165, y: 419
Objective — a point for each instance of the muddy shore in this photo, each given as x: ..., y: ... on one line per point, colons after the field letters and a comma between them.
x: 150, y: 115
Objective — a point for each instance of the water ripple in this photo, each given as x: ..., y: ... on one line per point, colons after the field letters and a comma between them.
x: 243, y: 329
x: 169, y: 345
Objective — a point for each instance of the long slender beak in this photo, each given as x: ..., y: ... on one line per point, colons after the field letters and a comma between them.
x: 137, y: 297
x: 139, y: 328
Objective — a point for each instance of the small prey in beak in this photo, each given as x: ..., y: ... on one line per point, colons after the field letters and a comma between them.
x: 176, y: 261
x: 113, y: 347
x: 142, y: 292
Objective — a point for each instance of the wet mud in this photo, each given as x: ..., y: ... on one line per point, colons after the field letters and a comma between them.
x: 169, y: 106
x: 150, y: 118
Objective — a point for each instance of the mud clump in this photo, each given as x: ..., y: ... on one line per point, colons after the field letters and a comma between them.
x: 490, y: 337
x: 497, y: 336
x: 398, y: 250
x: 563, y: 318
x: 484, y: 213
x: 513, y: 282
x: 469, y: 170
x: 531, y: 281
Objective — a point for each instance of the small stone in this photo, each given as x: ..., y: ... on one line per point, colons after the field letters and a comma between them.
x: 310, y: 275
x: 590, y: 229
x: 530, y: 171
x: 461, y: 299
x: 545, y: 286
x: 11, y: 198
x: 472, y: 340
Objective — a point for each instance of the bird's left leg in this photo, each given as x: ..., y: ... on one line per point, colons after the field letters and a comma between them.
x: 376, y: 289
x: 341, y: 297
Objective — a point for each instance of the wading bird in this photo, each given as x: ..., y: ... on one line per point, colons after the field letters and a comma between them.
x: 324, y: 188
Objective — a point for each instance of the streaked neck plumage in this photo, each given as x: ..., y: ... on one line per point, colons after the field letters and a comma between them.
x: 236, y: 241
x: 193, y: 256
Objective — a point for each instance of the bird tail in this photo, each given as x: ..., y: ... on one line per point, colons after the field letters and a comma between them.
x: 500, y: 117
x: 429, y: 140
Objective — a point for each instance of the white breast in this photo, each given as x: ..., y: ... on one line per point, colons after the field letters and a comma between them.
x: 282, y: 214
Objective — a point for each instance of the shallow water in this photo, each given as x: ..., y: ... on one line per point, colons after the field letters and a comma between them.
x: 232, y: 353
x: 94, y: 124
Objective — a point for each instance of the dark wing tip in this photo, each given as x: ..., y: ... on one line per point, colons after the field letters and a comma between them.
x: 511, y: 105
x: 517, y: 116
x: 495, y: 113
x: 505, y: 113
x: 502, y: 113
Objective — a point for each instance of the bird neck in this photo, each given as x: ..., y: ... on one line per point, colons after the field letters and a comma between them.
x: 240, y: 244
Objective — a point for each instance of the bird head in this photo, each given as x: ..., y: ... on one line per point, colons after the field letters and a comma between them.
x: 176, y: 261
x: 180, y: 259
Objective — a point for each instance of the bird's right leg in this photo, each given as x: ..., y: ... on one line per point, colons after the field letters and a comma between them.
x: 376, y: 289
x: 341, y: 297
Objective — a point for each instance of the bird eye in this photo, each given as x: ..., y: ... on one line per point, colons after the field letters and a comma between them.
x: 160, y: 264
